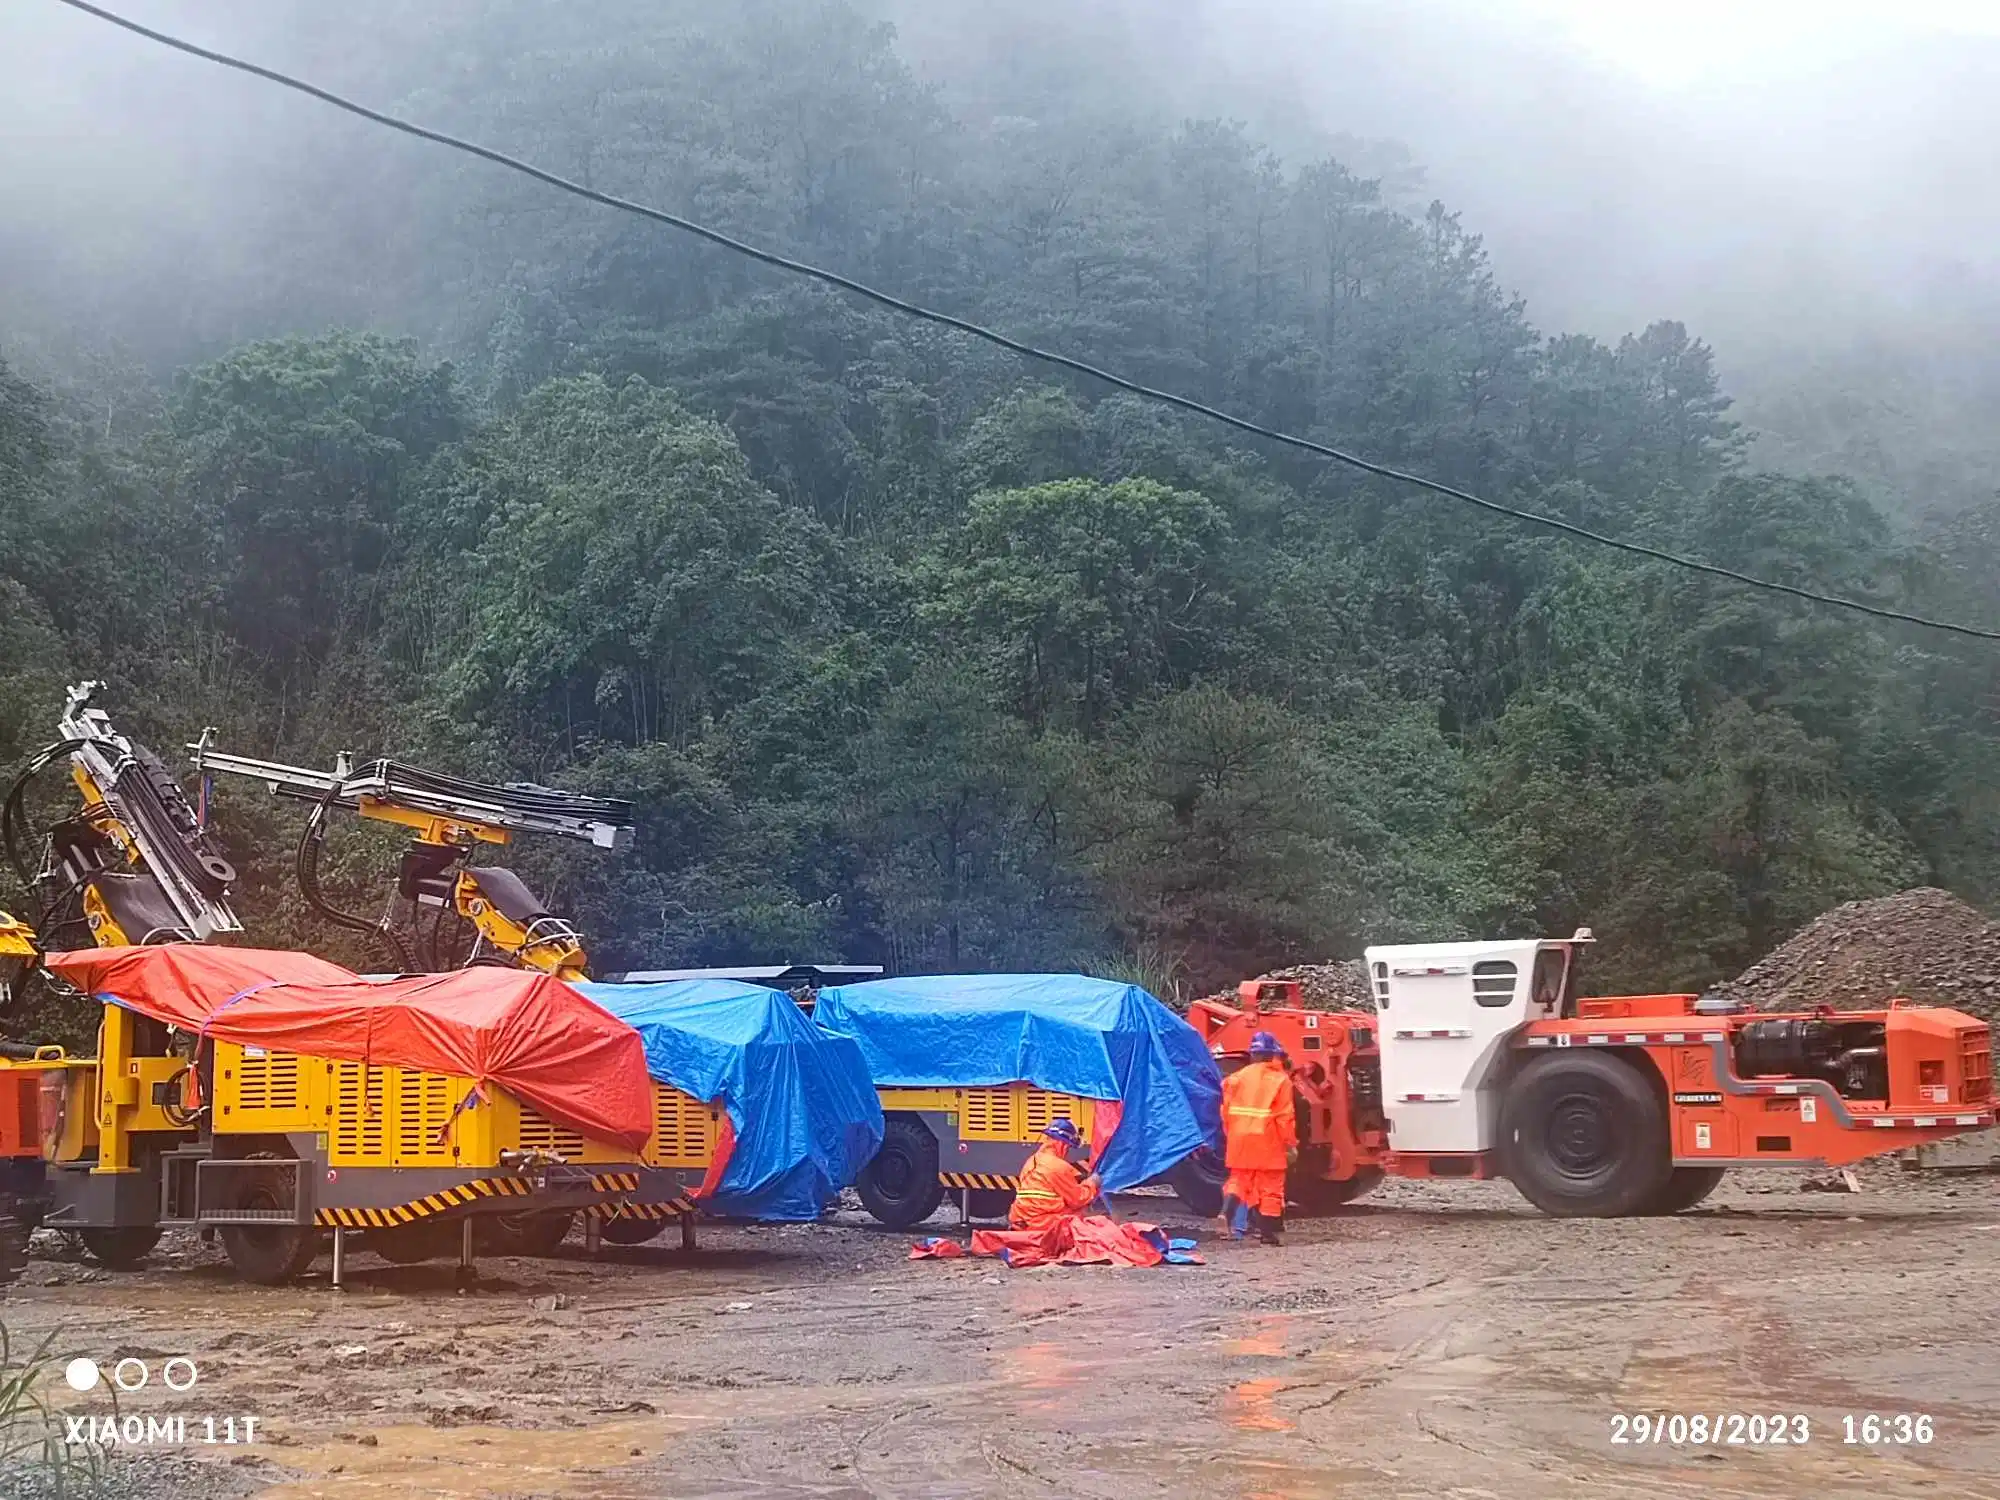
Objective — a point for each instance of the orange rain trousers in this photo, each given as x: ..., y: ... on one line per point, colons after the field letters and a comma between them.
x: 1261, y: 1191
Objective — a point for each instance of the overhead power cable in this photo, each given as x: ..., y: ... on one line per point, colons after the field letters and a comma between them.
x: 1027, y: 351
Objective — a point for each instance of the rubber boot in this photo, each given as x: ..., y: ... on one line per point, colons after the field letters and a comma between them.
x: 1235, y: 1217
x: 1270, y: 1228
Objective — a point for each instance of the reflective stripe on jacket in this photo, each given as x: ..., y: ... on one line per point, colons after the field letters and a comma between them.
x: 1259, y: 1123
x: 1050, y: 1187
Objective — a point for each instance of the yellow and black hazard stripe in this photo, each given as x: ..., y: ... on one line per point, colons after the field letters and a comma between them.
x: 616, y: 1182
x: 673, y: 1209
x: 979, y: 1180
x: 423, y: 1208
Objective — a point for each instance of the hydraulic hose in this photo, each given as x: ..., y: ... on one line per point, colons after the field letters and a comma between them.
x: 13, y: 819
x: 307, y: 865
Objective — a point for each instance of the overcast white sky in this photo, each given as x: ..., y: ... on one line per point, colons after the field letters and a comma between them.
x: 1691, y: 41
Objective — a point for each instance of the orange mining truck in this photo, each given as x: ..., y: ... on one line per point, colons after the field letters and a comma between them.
x: 1481, y: 1061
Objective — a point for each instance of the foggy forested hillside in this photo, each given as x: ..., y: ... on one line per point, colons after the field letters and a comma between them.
x: 911, y: 652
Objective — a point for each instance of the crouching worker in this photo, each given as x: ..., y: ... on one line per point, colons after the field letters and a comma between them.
x: 1051, y: 1186
x: 1260, y: 1140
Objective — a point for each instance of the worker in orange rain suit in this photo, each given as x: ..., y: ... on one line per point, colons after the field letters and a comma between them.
x: 1051, y: 1187
x: 1260, y: 1131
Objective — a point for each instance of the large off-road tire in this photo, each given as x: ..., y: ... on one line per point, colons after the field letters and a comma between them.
x: 900, y: 1186
x: 535, y: 1235
x: 1684, y: 1189
x: 1197, y: 1180
x: 991, y: 1203
x: 631, y: 1231
x: 268, y: 1254
x: 411, y: 1244
x: 1583, y: 1134
x: 120, y: 1249
x: 1322, y: 1195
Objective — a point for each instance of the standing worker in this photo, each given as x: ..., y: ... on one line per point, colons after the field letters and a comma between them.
x: 1051, y: 1187
x: 1260, y: 1131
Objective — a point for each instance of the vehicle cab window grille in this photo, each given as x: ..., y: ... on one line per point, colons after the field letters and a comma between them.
x: 1493, y: 983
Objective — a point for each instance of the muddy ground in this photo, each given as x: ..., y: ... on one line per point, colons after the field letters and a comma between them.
x: 1432, y: 1341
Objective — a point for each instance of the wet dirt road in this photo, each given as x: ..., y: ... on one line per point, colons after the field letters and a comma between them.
x: 1434, y: 1341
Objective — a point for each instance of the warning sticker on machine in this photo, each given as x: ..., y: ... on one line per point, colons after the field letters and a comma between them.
x: 1698, y: 1099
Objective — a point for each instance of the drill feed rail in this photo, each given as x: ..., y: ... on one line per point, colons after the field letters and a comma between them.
x: 517, y: 807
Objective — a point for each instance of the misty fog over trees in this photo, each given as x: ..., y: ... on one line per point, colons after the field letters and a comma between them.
x: 910, y: 652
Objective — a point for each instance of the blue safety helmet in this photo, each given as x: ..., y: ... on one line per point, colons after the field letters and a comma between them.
x: 1263, y: 1044
x: 1063, y: 1130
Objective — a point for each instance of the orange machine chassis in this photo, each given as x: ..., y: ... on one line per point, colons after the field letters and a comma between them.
x: 1938, y: 1072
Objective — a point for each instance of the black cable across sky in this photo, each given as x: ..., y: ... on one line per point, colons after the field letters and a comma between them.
x: 1028, y: 351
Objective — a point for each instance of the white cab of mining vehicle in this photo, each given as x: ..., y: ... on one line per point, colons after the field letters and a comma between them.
x: 1447, y: 1013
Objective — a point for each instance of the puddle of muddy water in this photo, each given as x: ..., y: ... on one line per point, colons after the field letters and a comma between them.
x: 1250, y: 1407
x: 1044, y: 1375
x: 417, y: 1463
x: 1268, y: 1339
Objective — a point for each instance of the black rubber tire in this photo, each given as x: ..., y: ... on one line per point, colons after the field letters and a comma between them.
x: 1583, y: 1134
x: 1197, y: 1180
x: 535, y: 1235
x: 991, y: 1203
x: 120, y: 1249
x: 268, y: 1254
x: 1322, y: 1195
x: 1685, y: 1188
x: 411, y: 1244
x: 900, y: 1186
x: 631, y: 1231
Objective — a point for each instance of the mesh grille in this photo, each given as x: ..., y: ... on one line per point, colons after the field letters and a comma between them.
x: 424, y: 1102
x: 988, y: 1113
x: 357, y: 1111
x: 683, y: 1129
x: 267, y: 1080
x: 541, y: 1134
x: 1040, y: 1107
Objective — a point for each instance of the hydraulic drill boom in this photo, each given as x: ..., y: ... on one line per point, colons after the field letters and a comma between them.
x: 135, y: 863
x: 425, y: 800
x: 448, y: 817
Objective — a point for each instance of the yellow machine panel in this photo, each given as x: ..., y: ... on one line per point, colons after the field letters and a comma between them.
x: 917, y: 1101
x: 685, y: 1134
x: 77, y: 1136
x: 685, y: 1131
x: 370, y: 1116
x: 132, y: 1090
x: 1010, y: 1112
x: 405, y: 1117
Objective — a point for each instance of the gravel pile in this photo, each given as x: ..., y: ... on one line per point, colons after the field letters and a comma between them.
x: 1924, y: 945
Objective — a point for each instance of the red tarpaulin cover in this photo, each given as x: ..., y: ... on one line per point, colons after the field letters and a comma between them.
x: 1074, y: 1240
x: 528, y: 1033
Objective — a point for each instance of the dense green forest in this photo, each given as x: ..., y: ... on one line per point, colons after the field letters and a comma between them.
x: 911, y: 653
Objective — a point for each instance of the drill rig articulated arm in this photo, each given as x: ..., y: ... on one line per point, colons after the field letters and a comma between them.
x: 135, y: 864
x: 448, y: 818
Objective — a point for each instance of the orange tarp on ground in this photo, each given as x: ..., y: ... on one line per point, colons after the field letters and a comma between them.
x: 528, y: 1033
x: 1073, y: 1240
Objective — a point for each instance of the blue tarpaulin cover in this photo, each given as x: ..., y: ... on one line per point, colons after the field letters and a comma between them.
x: 801, y: 1102
x: 1061, y: 1032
